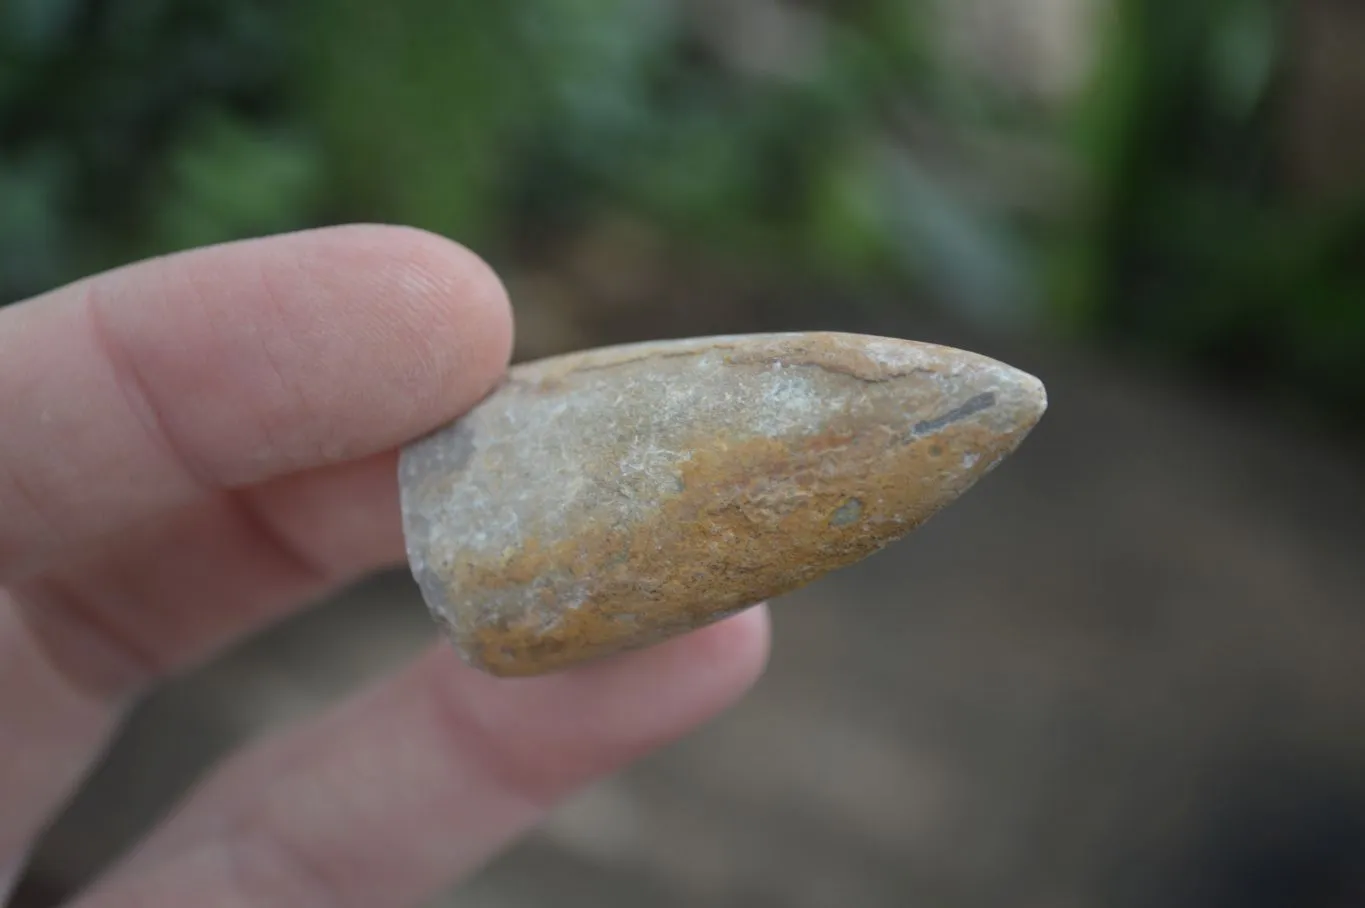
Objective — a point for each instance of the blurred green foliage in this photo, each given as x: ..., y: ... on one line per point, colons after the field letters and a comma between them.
x: 1194, y: 241
x: 134, y: 127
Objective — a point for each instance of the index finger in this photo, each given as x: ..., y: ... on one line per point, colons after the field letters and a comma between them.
x: 133, y: 394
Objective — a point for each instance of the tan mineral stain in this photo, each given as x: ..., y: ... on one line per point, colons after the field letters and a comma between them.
x: 614, y: 498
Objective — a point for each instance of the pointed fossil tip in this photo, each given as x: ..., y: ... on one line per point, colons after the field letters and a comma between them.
x: 1032, y: 395
x: 1021, y: 396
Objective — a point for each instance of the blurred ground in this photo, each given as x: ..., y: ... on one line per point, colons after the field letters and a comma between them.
x: 1123, y: 671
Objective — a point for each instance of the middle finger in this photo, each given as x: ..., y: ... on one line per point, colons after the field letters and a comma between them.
x: 382, y: 801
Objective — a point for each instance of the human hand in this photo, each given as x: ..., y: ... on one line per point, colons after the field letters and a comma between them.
x: 191, y: 447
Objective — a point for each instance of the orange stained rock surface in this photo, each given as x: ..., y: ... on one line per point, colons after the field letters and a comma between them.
x: 612, y: 499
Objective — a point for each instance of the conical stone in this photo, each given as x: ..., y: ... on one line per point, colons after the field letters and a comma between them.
x: 613, y: 498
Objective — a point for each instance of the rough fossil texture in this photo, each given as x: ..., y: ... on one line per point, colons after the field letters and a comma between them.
x: 614, y: 498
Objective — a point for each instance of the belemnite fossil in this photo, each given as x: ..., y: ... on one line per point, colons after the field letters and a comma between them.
x: 611, y: 499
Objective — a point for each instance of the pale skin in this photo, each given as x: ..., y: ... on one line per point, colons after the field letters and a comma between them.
x: 193, y: 447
